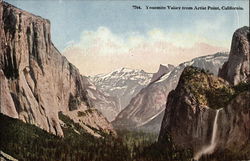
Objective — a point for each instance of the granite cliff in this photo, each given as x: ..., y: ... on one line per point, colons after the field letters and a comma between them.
x: 36, y: 80
x: 236, y: 69
x: 210, y: 114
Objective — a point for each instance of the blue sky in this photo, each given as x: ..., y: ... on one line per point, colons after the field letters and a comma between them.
x: 72, y: 21
x: 70, y: 18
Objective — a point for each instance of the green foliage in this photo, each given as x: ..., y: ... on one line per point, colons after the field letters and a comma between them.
x: 24, y: 141
x: 27, y: 142
x: 166, y: 151
x: 219, y: 97
x: 136, y: 140
x: 209, y: 90
x: 225, y: 155
x: 241, y: 87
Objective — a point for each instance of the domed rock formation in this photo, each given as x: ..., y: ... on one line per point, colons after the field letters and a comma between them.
x: 237, y: 69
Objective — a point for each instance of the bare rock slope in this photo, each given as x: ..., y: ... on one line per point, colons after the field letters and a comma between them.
x: 36, y: 80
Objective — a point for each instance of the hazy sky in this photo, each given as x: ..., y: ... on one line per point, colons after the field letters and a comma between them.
x: 100, y: 36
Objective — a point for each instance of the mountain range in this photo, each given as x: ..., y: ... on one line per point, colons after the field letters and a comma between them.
x: 122, y: 84
x: 145, y: 111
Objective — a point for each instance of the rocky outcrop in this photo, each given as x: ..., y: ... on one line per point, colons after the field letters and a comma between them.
x: 122, y: 84
x: 146, y: 110
x: 236, y: 69
x: 190, y: 115
x: 36, y: 80
x: 162, y: 71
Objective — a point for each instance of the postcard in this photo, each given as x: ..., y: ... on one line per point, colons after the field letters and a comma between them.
x: 124, y: 80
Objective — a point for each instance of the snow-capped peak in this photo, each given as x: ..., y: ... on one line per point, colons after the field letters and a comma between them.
x: 123, y: 83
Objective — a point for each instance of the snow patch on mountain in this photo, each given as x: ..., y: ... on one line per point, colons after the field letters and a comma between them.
x: 123, y: 83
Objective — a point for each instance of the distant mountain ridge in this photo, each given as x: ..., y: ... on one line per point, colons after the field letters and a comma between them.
x: 145, y: 111
x: 123, y: 83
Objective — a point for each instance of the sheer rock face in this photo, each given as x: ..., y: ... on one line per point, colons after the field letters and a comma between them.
x: 36, y: 80
x: 162, y: 71
x: 236, y: 69
x: 146, y: 110
x: 234, y: 124
x: 190, y: 114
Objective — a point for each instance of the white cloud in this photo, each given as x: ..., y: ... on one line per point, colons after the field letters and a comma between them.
x: 103, y: 41
x: 101, y: 51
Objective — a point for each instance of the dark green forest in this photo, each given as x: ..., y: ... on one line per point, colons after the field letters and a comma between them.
x: 27, y: 142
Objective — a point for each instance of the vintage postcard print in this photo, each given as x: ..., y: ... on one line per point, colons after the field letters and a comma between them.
x: 124, y: 80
